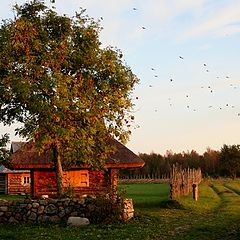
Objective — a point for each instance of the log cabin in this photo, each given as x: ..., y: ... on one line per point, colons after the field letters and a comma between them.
x: 14, y: 181
x: 79, y: 179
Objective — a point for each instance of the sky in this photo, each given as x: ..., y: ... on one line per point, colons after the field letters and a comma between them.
x: 186, y: 54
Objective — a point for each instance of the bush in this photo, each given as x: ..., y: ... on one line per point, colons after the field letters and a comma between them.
x: 106, y: 209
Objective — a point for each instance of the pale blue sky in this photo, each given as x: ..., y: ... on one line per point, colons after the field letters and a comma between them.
x: 199, y: 107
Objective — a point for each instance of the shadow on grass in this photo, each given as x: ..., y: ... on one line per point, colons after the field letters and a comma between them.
x: 168, y: 204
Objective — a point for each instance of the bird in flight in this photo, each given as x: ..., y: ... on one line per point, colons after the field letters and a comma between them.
x: 134, y: 9
x: 181, y: 57
x: 143, y: 28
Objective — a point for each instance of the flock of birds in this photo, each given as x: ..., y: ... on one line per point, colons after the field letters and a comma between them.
x: 188, y: 96
x: 210, y: 89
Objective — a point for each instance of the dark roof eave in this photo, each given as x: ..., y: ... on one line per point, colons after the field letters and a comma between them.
x: 108, y: 165
x: 125, y: 165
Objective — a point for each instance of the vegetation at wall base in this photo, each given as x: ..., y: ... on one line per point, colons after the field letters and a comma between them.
x: 216, y: 215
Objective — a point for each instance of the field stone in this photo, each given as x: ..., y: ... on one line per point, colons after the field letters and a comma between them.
x: 8, y: 214
x: 34, y: 210
x: 12, y: 220
x: 3, y: 208
x: 18, y: 216
x: 51, y: 209
x: 77, y: 221
x: 40, y: 210
x: 29, y: 206
x: 43, y: 202
x: 61, y: 214
x: 32, y: 216
x: 35, y: 205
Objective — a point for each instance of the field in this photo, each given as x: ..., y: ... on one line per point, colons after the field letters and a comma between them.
x: 216, y: 215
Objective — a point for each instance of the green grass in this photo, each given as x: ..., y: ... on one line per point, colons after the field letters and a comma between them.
x: 146, y: 195
x: 216, y: 215
x: 11, y: 197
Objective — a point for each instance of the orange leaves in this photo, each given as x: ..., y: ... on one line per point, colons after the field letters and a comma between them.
x: 90, y: 83
x: 56, y: 119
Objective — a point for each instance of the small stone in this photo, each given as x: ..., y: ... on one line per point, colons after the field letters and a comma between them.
x: 29, y: 206
x: 12, y: 220
x: 23, y: 205
x: 34, y: 210
x: 51, y: 209
x: 77, y: 221
x: 4, y: 202
x: 44, y: 196
x: 68, y: 210
x: 81, y: 201
x: 66, y: 202
x: 27, y: 200
x: 40, y: 210
x: 8, y: 214
x: 43, y: 202
x: 3, y: 220
x: 32, y: 216
x: 35, y: 205
x: 18, y: 216
x: 61, y: 214
x: 3, y: 209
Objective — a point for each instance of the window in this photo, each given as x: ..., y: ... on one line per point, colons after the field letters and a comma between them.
x: 26, y: 180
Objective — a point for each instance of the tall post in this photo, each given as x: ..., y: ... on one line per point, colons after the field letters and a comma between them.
x: 195, y: 191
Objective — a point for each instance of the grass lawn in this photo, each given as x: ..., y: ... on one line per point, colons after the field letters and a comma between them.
x: 11, y: 197
x: 146, y: 195
x: 216, y: 215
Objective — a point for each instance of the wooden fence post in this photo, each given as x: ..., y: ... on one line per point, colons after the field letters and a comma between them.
x: 195, y: 191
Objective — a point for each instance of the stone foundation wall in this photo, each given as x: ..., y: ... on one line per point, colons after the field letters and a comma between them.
x: 53, y: 210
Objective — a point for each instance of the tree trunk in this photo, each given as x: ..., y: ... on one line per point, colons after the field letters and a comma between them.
x: 59, y: 172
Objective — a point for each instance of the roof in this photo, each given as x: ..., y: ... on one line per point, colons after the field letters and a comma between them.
x: 27, y: 157
x: 16, y: 145
x: 5, y: 170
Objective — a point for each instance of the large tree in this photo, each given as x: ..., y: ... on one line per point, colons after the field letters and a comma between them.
x: 71, y: 95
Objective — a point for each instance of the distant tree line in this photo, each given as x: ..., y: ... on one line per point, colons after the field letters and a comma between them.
x: 225, y: 162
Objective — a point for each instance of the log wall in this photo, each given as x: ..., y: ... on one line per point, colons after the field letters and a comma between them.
x: 16, y: 185
x: 93, y: 182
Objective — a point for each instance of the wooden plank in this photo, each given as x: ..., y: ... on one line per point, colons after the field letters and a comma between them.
x: 2, y: 184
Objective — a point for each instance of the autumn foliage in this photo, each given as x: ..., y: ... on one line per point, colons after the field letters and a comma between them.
x: 70, y: 94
